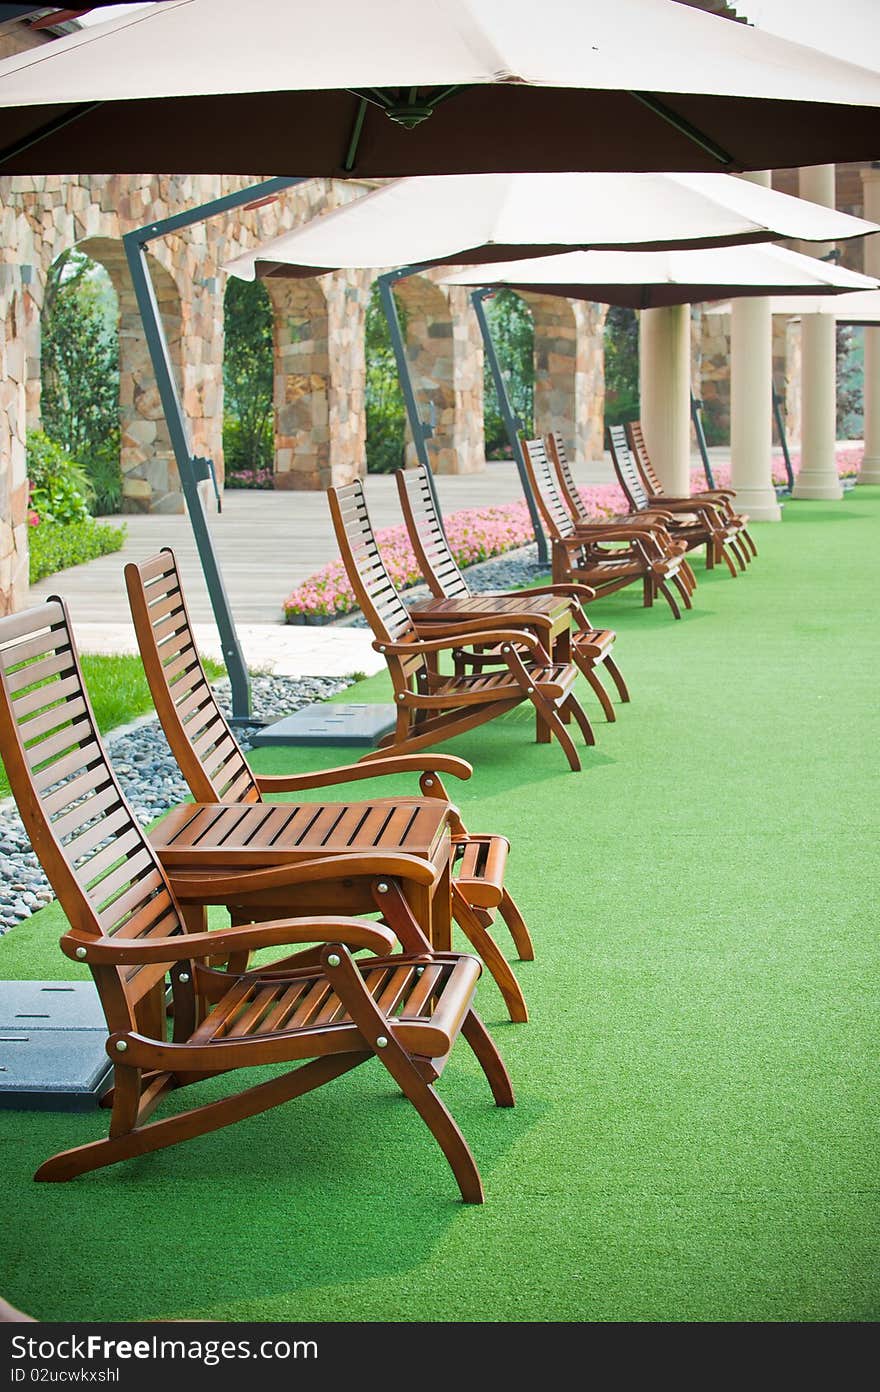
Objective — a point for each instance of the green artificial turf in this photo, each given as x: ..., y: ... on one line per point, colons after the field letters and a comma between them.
x: 696, y: 1134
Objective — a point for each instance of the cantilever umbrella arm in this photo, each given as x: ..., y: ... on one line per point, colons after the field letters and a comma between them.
x: 194, y: 470
x: 512, y: 423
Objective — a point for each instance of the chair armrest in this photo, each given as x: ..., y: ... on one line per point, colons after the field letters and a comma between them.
x: 426, y: 645
x: 475, y: 626
x: 351, y: 773
x: 195, y: 887
x: 584, y: 593
x: 354, y: 932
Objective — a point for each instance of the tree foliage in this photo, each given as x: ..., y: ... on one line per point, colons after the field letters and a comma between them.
x: 80, y: 372
x: 850, y: 383
x: 384, y: 404
x: 248, y: 366
x: 513, y: 332
x: 621, y: 366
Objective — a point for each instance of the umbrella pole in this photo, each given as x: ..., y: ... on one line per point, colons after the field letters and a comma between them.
x: 697, y: 418
x: 512, y: 423
x: 421, y: 430
x: 779, y: 418
x: 194, y: 470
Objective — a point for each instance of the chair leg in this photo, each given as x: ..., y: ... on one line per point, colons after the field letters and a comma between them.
x: 667, y: 595
x: 617, y: 678
x: 490, y: 953
x: 199, y: 1120
x: 727, y: 558
x: 648, y: 591
x: 687, y: 571
x: 517, y: 927
x: 572, y: 706
x: 683, y: 591
x: 747, y: 538
x: 738, y: 551
x: 489, y: 1059
x: 438, y: 1119
x: 604, y: 699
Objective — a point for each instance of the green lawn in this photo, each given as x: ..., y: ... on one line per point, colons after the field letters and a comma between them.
x: 696, y: 1134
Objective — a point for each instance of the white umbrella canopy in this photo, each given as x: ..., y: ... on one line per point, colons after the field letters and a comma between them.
x: 211, y: 86
x: 468, y: 218
x: 650, y: 279
x: 856, y: 307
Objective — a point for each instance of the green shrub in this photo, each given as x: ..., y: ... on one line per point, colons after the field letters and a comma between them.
x: 55, y: 547
x: 60, y: 488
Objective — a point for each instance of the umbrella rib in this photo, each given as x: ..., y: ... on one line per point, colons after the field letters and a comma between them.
x: 351, y: 154
x: 50, y: 128
x: 692, y: 132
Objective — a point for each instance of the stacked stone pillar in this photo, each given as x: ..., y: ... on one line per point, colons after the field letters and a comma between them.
x: 13, y: 419
x: 569, y: 372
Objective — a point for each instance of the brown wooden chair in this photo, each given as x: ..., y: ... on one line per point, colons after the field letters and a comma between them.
x: 693, y: 522
x: 431, y: 705
x: 216, y: 771
x: 590, y: 647
x: 722, y: 498
x: 126, y: 924
x: 571, y: 496
x: 607, y: 557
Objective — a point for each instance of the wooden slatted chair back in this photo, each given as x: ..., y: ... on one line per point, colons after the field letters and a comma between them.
x: 559, y: 520
x: 201, y: 741
x: 100, y: 864
x: 626, y: 468
x: 558, y: 456
x: 374, y: 589
x: 636, y: 437
x: 436, y: 561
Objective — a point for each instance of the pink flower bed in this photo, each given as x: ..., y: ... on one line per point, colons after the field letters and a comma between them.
x: 849, y: 461
x: 474, y: 534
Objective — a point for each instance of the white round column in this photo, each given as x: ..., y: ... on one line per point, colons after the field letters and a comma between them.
x: 818, y: 472
x: 870, y: 471
x: 664, y: 386
x: 751, y: 401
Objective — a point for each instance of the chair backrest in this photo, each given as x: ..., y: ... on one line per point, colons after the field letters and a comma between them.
x: 376, y: 594
x: 436, y: 561
x: 100, y: 864
x: 626, y: 468
x: 556, y: 515
x: 558, y: 456
x: 636, y: 437
x: 201, y: 741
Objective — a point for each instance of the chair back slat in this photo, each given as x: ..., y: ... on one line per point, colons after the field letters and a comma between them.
x: 97, y: 858
x: 636, y: 437
x: 201, y: 741
x: 436, y: 561
x: 558, y: 456
x: 375, y: 590
x: 626, y: 468
x: 559, y: 520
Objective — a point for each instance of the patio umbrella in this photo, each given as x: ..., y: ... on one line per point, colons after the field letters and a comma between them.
x: 652, y: 279
x: 468, y: 218
x: 439, y: 86
x: 857, y: 307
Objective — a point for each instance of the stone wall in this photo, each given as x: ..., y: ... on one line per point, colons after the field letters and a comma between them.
x: 711, y: 371
x: 13, y: 415
x: 569, y: 372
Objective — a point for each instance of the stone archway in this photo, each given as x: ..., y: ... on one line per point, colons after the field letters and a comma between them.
x: 569, y: 371
x: 150, y: 480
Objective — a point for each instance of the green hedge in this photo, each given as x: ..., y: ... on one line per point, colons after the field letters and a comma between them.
x: 55, y: 547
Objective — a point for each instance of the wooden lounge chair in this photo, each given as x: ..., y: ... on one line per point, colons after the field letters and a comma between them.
x: 605, y: 557
x: 432, y: 706
x: 693, y: 522
x: 216, y: 771
x: 126, y: 924
x: 590, y: 647
x: 722, y: 498
x: 558, y: 456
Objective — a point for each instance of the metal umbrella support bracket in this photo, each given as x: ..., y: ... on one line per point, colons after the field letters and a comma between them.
x: 193, y: 469
x: 512, y: 423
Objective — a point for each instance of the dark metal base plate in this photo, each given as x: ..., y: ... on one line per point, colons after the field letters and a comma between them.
x: 52, y: 1045
x: 329, y: 722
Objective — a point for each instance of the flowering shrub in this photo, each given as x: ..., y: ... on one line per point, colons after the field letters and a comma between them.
x: 249, y: 478
x: 474, y: 535
x: 849, y: 461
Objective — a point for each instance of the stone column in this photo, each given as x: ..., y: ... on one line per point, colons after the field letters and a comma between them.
x: 870, y: 471
x: 664, y: 385
x: 13, y: 469
x: 751, y: 404
x: 818, y: 472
